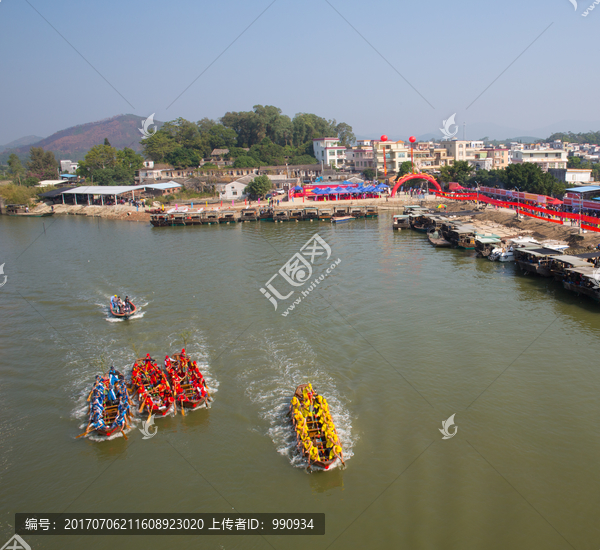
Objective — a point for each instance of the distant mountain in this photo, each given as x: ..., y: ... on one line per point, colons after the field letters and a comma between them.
x: 73, y: 143
x: 27, y: 140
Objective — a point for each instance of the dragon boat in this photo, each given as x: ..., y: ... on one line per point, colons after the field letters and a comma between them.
x: 187, y: 382
x: 110, y: 405
x: 152, y: 387
x: 316, y: 435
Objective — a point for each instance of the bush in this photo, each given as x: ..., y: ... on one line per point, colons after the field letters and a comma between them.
x: 18, y: 194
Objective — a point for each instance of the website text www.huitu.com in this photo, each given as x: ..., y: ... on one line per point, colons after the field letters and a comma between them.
x: 312, y: 286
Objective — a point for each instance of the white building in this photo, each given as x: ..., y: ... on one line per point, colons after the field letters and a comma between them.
x: 68, y: 167
x: 329, y: 151
x: 235, y: 189
x: 483, y: 164
x: 572, y: 175
x: 544, y: 158
x: 461, y: 149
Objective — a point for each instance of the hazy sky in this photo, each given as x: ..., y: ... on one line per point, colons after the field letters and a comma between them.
x: 302, y: 57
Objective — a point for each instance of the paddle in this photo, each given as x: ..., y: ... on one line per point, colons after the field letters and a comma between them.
x: 87, y: 430
x: 126, y: 438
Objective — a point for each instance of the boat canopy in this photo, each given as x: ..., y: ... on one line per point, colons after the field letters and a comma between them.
x: 571, y: 260
x: 488, y: 240
x: 401, y: 216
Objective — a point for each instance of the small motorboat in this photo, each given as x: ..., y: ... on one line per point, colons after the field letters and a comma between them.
x: 126, y: 311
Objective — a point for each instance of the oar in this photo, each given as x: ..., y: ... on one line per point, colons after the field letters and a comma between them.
x: 182, y: 408
x: 87, y: 430
x: 126, y: 438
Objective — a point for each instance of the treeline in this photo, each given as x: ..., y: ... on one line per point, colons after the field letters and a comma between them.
x: 584, y: 137
x: 41, y: 165
x: 263, y: 136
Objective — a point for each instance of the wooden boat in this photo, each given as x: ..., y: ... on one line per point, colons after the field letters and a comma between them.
x: 186, y: 380
x: 436, y: 239
x: 159, y: 220
x: 401, y: 221
x: 249, y: 215
x: 421, y: 223
x: 297, y: 215
x: 109, y: 405
x: 281, y: 216
x: 266, y: 215
x: 325, y: 214
x: 461, y: 236
x: 371, y: 212
x: 484, y: 245
x: 560, y: 264
x: 357, y: 211
x: 583, y: 280
x: 151, y: 387
x: 311, y: 213
x: 342, y: 219
x: 124, y: 315
x: 535, y: 260
x: 210, y: 218
x: 228, y: 216
x: 341, y: 211
x: 314, y: 432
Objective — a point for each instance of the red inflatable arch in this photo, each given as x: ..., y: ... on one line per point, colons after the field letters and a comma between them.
x: 415, y: 177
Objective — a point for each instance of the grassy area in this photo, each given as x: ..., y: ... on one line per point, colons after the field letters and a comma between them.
x: 18, y: 194
x: 183, y: 195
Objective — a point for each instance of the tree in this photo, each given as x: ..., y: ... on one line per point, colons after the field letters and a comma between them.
x: 105, y: 165
x: 158, y: 146
x: 578, y: 162
x: 259, y: 186
x: 405, y: 168
x: 31, y: 181
x: 42, y: 164
x: 183, y: 157
x: 345, y: 134
x: 246, y: 162
x: 369, y: 174
x: 106, y: 142
x: 529, y: 177
x: 458, y: 172
x: 17, y: 171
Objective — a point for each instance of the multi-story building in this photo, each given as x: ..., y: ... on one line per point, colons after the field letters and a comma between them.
x: 360, y: 157
x: 499, y: 157
x: 396, y: 152
x: 329, y: 151
x: 462, y: 149
x: 68, y: 167
x: 545, y: 158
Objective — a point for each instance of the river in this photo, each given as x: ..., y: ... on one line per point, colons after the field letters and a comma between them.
x: 397, y: 335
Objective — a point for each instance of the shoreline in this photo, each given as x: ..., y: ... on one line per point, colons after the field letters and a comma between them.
x: 487, y: 219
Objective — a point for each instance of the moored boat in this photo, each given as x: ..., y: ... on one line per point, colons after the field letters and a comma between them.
x: 311, y: 213
x: 186, y: 381
x: 371, y: 212
x: 228, y: 216
x: 249, y: 215
x: 281, y: 216
x: 357, y: 211
x: 342, y: 219
x: 297, y: 214
x: 583, y: 280
x: 210, y: 218
x: 109, y: 405
x: 401, y: 221
x: 535, y: 260
x: 436, y: 239
x: 152, y: 387
x: 485, y: 245
x: 266, y: 215
x: 316, y: 435
x: 325, y: 214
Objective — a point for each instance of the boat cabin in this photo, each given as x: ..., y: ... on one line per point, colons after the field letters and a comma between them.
x: 311, y: 213
x: 228, y: 216
x: 249, y: 215
x: 535, y: 260
x: 401, y: 221
x: 281, y: 216
x: 210, y: 218
x: 485, y: 245
x: 560, y: 264
x: 357, y: 211
x: 325, y: 213
x: 297, y: 215
x: 583, y: 280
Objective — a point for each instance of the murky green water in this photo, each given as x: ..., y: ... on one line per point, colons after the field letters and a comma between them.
x: 399, y: 336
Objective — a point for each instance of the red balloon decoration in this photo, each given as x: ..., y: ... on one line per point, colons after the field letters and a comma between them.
x: 384, y: 138
x: 412, y: 139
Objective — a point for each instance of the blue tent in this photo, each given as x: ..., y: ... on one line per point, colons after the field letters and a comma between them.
x: 340, y: 190
x: 297, y: 188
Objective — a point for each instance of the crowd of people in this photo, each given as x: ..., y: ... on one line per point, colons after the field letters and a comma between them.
x: 187, y: 382
x: 152, y: 387
x: 121, y: 307
x: 316, y: 435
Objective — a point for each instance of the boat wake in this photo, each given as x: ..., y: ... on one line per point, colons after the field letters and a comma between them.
x: 291, y: 362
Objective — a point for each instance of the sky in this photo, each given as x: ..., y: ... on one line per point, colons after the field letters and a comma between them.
x: 394, y: 67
